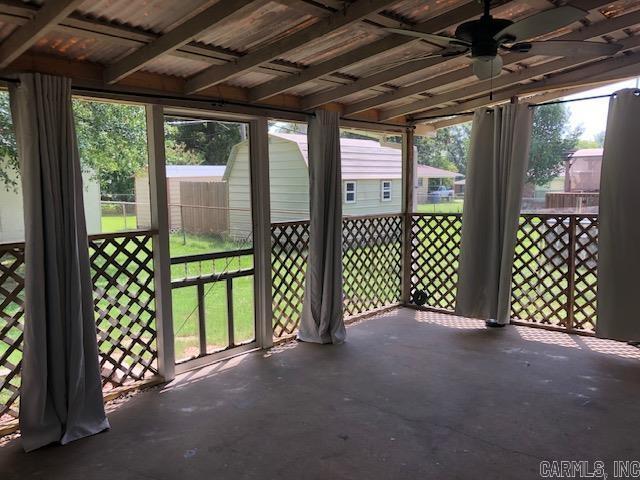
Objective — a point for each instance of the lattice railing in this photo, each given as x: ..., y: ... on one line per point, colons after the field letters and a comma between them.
x: 435, y: 248
x: 372, y: 261
x: 289, y: 250
x: 554, y: 275
x: 11, y: 327
x: 122, y: 270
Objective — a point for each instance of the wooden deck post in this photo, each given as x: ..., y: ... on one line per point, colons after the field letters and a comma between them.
x: 408, y: 200
x: 161, y: 256
x: 261, y: 212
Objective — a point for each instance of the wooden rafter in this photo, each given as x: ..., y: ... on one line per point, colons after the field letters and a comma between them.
x: 217, y: 74
x: 610, y: 70
x: 24, y: 37
x: 592, y: 31
x: 433, y: 25
x: 179, y: 36
x: 502, y: 81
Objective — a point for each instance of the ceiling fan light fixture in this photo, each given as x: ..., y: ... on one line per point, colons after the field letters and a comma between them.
x: 487, y: 67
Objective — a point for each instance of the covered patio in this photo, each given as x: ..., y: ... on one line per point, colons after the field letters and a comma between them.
x: 423, y: 386
x: 411, y: 395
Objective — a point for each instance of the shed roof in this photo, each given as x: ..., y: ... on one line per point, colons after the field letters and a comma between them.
x: 433, y: 172
x: 587, y: 152
x: 184, y: 171
x: 361, y: 159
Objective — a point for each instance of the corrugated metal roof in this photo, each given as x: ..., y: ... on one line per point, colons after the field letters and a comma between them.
x: 433, y: 172
x: 184, y: 171
x: 361, y: 159
x: 587, y: 152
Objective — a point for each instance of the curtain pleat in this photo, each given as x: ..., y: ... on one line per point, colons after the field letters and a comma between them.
x: 322, y: 313
x: 619, y: 229
x: 60, y: 393
x: 498, y: 158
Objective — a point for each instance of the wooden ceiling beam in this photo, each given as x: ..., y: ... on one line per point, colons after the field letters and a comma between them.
x: 502, y: 81
x: 390, y: 42
x: 592, y: 31
x: 217, y: 74
x: 179, y: 36
x: 46, y: 18
x: 605, y: 71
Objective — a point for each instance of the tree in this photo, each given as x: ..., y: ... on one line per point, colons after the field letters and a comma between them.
x: 212, y: 141
x: 112, y: 139
x: 552, y: 140
x: 9, y: 168
x: 599, y: 138
x: 448, y: 149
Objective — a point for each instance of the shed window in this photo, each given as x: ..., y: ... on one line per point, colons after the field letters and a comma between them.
x: 385, y: 190
x: 349, y: 192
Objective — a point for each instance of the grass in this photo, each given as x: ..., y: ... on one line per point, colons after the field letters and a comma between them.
x: 185, y: 303
x: 446, y: 207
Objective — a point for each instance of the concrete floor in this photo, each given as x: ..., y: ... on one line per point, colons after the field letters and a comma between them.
x: 411, y: 395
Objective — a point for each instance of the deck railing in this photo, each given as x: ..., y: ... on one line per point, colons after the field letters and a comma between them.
x: 554, y: 276
x: 124, y: 296
x: 372, y: 262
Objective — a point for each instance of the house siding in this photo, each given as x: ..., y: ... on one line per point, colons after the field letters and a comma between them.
x: 289, y: 184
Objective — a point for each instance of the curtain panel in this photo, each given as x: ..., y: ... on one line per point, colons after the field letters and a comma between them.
x: 322, y: 313
x: 61, y: 394
x: 498, y: 158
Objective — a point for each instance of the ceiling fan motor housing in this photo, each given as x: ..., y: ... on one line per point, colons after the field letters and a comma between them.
x: 480, y: 34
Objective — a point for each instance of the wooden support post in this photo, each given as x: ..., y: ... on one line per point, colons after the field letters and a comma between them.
x: 230, y: 325
x: 261, y: 210
x: 408, y: 201
x: 202, y: 320
x: 161, y: 257
x: 571, y: 272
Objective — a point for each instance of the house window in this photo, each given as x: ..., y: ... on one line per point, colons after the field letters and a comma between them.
x: 420, y: 181
x: 385, y: 190
x: 349, y: 192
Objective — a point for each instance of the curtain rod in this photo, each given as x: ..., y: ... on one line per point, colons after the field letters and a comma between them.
x: 531, y: 105
x: 218, y: 102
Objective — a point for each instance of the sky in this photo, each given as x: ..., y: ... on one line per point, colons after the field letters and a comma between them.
x: 592, y: 114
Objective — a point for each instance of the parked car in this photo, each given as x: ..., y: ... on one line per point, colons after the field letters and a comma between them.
x: 441, y: 194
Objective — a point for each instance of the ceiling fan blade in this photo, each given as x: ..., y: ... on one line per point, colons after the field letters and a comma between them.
x: 540, y: 23
x: 563, y: 48
x: 485, y: 69
x: 445, y: 54
x: 439, y: 40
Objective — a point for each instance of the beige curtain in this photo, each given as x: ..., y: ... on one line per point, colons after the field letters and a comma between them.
x: 60, y: 394
x: 498, y: 157
x: 619, y: 229
x: 322, y: 316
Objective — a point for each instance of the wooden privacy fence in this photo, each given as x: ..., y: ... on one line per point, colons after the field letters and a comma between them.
x: 124, y: 305
x: 554, y: 276
x: 371, y: 258
x: 204, y: 207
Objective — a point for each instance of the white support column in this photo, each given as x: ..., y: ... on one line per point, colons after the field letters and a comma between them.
x: 161, y: 257
x: 408, y: 202
x: 261, y: 210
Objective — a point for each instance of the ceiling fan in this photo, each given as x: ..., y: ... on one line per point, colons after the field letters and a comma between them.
x: 485, y: 37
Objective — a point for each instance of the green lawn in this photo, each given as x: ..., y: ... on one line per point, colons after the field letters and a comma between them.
x: 185, y: 304
x: 446, y: 207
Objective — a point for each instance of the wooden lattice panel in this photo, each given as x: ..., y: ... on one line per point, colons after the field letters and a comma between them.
x: 586, y: 275
x: 122, y: 268
x: 435, y: 252
x: 11, y: 327
x: 540, y: 275
x: 371, y: 262
x: 289, y: 250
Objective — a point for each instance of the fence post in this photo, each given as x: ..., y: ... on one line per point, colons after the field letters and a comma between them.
x: 261, y: 213
x: 571, y: 271
x: 161, y: 256
x: 408, y: 200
